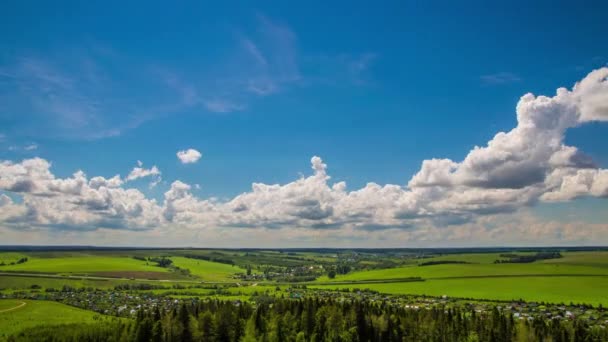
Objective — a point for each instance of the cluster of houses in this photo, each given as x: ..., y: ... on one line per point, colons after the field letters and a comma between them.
x: 303, y: 273
x: 114, y: 303
x: 520, y: 310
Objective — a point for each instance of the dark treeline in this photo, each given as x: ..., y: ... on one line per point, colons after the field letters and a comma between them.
x: 161, y: 261
x: 20, y: 261
x: 314, y: 319
x: 441, y: 262
x: 209, y: 258
x: 139, y: 287
x: 515, y: 258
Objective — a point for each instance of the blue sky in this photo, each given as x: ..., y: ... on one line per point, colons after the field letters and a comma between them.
x: 372, y: 88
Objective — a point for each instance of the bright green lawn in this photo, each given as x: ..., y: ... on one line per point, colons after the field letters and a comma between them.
x: 83, y: 265
x: 208, y: 270
x: 40, y: 312
x: 591, y: 290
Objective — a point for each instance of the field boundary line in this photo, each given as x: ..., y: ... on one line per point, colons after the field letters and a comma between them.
x: 518, y: 276
x: 14, y: 308
x: 406, y: 280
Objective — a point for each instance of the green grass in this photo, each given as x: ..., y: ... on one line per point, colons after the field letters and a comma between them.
x: 474, y: 258
x: 18, y: 282
x: 250, y: 290
x: 594, y: 259
x: 208, y: 270
x: 579, y: 277
x: 12, y: 282
x: 9, y: 304
x: 471, y: 270
x: 40, y: 312
x: 591, y: 290
x: 8, y: 257
x: 83, y: 265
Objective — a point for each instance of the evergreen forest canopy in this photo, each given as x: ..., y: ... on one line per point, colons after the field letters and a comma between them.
x: 316, y: 320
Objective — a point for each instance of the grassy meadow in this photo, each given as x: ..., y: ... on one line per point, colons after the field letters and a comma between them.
x: 29, y: 313
x: 90, y: 265
x: 208, y: 270
x: 471, y: 271
x: 558, y: 289
x: 579, y: 277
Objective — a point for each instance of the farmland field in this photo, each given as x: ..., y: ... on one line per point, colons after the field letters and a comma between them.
x: 207, y: 270
x: 31, y: 313
x: 554, y: 290
x: 578, y: 277
x: 573, y: 263
x: 26, y: 282
x: 471, y: 270
x: 83, y: 265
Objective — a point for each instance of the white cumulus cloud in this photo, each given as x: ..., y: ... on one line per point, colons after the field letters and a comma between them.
x: 515, y: 169
x: 141, y: 172
x: 189, y: 156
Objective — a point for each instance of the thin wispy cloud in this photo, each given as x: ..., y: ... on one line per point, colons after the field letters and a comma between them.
x: 358, y: 67
x: 499, y: 78
x: 271, y: 56
x: 79, y: 98
x: 222, y: 106
x: 266, y: 62
x: 30, y: 147
x: 252, y: 49
x: 83, y: 95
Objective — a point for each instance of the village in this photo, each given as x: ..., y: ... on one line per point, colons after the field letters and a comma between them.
x: 126, y: 303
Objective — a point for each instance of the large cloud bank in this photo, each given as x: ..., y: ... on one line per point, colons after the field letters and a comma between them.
x: 515, y: 169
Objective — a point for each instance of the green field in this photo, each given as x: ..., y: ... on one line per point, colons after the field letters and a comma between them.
x: 83, y: 265
x: 593, y: 259
x: 578, y: 277
x: 207, y: 270
x: 473, y: 258
x: 8, y: 257
x: 590, y: 263
x: 24, y: 282
x: 28, y: 313
x: 589, y: 290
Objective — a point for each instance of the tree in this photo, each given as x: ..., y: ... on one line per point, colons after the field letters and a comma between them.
x: 157, y: 332
x: 331, y: 274
x: 206, y: 326
x: 184, y: 318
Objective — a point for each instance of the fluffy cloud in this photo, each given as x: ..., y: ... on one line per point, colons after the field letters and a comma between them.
x: 140, y: 172
x: 74, y: 202
x: 189, y: 156
x: 525, y: 157
x: 514, y: 170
